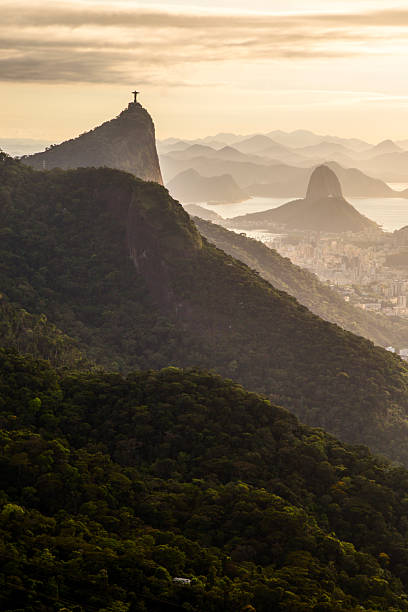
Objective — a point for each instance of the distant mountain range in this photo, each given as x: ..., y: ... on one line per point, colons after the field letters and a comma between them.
x: 259, y: 156
x: 227, y: 153
x: 304, y: 138
x: 275, y: 180
x: 295, y: 139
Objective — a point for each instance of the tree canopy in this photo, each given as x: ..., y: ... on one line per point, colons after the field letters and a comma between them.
x: 111, y: 487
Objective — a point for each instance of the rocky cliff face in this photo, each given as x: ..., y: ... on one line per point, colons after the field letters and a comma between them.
x: 126, y: 143
x: 323, y: 183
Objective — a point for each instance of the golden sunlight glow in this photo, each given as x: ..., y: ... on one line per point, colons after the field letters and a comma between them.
x: 214, y: 66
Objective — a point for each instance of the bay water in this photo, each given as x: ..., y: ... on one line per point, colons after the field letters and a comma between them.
x: 389, y: 213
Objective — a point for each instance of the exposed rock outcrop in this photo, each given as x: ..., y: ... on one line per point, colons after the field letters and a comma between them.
x: 322, y: 210
x: 126, y: 143
x: 323, y: 183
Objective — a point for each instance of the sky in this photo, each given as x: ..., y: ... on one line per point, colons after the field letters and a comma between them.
x: 205, y: 66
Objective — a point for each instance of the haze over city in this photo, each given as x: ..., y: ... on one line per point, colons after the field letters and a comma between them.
x: 205, y: 67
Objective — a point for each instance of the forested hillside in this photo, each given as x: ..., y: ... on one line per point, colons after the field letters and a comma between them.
x: 118, y: 266
x: 111, y: 487
x: 305, y: 286
x: 35, y: 335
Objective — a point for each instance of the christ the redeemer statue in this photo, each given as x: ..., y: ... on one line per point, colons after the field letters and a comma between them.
x: 135, y: 94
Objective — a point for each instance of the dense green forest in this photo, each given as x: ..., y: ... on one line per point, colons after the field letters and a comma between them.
x: 111, y: 487
x: 305, y: 287
x: 35, y: 335
x: 118, y: 266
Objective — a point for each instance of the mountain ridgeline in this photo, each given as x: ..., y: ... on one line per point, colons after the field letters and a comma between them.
x: 119, y: 266
x: 126, y: 142
x: 279, y: 165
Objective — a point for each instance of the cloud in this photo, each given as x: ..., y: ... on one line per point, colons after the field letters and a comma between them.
x: 94, y: 43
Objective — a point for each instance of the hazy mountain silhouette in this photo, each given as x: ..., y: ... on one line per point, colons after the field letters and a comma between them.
x: 191, y: 151
x: 324, y: 149
x: 386, y: 160
x: 382, y: 148
x: 190, y: 186
x: 244, y: 173
x: 262, y: 174
x: 306, y: 138
x: 255, y: 144
x: 323, y: 209
x: 226, y: 153
x: 391, y: 167
x: 294, y: 182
